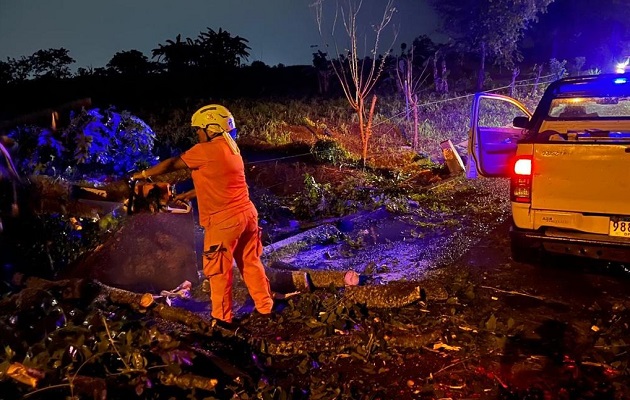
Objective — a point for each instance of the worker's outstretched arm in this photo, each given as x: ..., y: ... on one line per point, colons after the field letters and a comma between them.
x: 168, y: 165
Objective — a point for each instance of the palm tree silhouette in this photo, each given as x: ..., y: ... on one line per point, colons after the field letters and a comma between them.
x: 220, y: 49
x: 178, y: 55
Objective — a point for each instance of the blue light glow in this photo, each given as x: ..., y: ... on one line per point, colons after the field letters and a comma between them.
x: 619, y: 81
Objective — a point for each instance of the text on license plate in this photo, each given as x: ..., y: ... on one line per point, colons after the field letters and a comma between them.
x: 619, y: 227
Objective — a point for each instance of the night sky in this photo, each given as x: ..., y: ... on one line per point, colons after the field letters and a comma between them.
x: 279, y: 31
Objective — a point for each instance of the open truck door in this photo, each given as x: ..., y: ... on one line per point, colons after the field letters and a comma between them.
x: 497, y: 123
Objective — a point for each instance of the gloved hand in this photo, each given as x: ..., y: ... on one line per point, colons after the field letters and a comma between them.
x: 136, y: 176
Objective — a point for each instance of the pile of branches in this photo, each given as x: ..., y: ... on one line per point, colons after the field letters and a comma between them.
x: 83, y: 339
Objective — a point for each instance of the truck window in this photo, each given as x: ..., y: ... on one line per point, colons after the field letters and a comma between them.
x: 495, y: 114
x: 589, y: 108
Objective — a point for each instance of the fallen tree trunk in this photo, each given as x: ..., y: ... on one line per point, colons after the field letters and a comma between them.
x: 320, y: 234
x: 164, y: 311
x: 396, y: 294
x: 286, y: 278
x: 324, y: 279
x: 303, y: 280
x: 393, y: 295
x: 55, y: 195
x: 282, y: 281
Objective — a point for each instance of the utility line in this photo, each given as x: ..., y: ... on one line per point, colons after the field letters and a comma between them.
x: 418, y: 106
x: 465, y: 97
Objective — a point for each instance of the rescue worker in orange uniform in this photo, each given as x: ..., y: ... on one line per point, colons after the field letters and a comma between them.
x: 229, y: 218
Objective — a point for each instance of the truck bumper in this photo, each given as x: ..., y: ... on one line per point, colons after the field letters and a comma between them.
x: 573, y: 243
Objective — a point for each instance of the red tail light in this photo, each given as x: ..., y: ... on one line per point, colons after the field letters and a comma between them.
x: 521, y: 182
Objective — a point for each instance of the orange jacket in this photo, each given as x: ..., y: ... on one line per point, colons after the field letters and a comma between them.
x: 219, y: 178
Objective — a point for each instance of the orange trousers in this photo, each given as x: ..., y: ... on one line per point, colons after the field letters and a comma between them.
x: 235, y: 237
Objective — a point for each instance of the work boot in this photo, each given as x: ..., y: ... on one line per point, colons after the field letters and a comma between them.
x: 230, y: 326
x: 257, y: 318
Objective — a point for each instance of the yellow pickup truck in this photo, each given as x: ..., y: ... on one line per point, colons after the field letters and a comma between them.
x: 568, y: 164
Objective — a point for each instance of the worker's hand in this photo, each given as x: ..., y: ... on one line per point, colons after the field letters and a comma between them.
x: 136, y: 176
x: 186, y: 196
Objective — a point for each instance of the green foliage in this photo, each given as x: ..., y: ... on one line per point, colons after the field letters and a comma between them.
x: 260, y: 120
x: 172, y: 129
x: 54, y: 241
x: 130, y: 63
x: 51, y: 63
x: 558, y: 68
x: 77, y: 344
x: 94, y: 142
x: 274, y: 133
x: 315, y: 200
x: 211, y: 49
x: 493, y: 26
x: 330, y: 152
x: 325, y: 313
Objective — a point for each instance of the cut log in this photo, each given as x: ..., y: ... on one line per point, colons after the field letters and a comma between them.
x: 324, y: 279
x: 451, y: 157
x: 134, y: 300
x: 292, y: 278
x: 285, y: 280
x: 396, y: 294
x: 321, y: 234
x: 173, y: 314
x: 282, y: 281
x: 392, y: 295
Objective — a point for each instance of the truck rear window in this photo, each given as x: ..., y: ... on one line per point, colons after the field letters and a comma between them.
x: 584, y: 108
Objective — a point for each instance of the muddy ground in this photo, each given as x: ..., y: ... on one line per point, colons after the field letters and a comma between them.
x: 488, y: 327
x: 479, y: 325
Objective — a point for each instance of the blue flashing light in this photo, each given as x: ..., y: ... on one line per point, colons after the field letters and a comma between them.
x: 598, y: 86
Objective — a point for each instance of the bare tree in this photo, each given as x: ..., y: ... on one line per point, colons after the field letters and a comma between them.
x: 357, y: 75
x: 411, y: 81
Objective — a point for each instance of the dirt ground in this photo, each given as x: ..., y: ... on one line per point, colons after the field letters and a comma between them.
x: 490, y: 328
x: 486, y: 327
x: 479, y: 325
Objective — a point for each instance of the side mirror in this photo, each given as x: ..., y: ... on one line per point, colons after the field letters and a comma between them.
x: 520, y: 122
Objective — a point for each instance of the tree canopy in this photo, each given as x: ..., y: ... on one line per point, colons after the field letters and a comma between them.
x: 490, y: 28
x: 210, y: 49
x: 131, y: 62
x: 51, y: 63
x: 577, y: 28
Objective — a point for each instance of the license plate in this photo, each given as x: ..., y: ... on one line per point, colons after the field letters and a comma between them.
x: 619, y: 226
